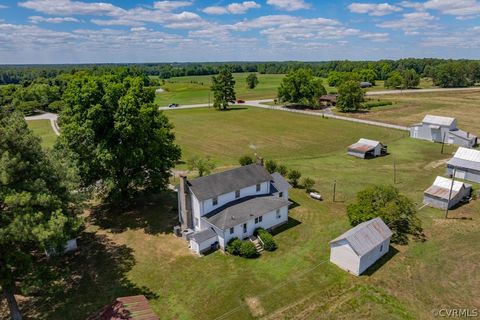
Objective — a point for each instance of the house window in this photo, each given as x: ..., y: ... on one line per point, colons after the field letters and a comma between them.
x: 237, y: 194
x: 280, y: 195
x: 279, y: 215
x: 244, y: 228
x: 260, y: 219
x: 215, y: 201
x: 258, y: 187
x: 231, y: 230
x: 381, y: 248
x: 256, y: 220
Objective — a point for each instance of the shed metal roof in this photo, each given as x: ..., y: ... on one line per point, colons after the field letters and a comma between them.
x: 441, y: 188
x: 242, y: 210
x: 126, y: 308
x: 366, y: 236
x: 441, y: 121
x: 364, y: 145
x: 467, y: 154
x: 463, y: 135
x: 228, y: 181
x: 204, y: 235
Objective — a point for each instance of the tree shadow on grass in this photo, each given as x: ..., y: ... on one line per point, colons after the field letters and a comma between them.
x: 84, y: 281
x: 381, y: 262
x: 156, y: 214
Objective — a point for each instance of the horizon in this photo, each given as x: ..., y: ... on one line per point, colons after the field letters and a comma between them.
x: 52, y: 32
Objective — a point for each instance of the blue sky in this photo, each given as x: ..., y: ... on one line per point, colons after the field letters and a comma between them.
x: 67, y: 31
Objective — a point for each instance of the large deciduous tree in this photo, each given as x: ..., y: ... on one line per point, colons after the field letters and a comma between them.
x: 451, y: 75
x: 350, y: 97
x: 300, y: 86
x: 37, y: 210
x: 223, y: 87
x: 395, y: 209
x: 252, y: 81
x: 394, y: 81
x: 120, y: 142
x: 411, y: 79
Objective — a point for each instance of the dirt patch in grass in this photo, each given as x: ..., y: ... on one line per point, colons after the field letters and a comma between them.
x: 436, y: 164
x: 255, y: 306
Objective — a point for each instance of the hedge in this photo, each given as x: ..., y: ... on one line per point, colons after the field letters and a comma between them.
x: 233, y: 246
x: 267, y: 239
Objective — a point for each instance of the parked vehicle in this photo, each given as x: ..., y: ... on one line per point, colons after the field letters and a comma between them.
x: 173, y: 105
x: 316, y: 196
x: 240, y: 101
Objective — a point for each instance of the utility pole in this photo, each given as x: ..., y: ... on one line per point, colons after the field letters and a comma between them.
x: 209, y: 99
x: 394, y: 171
x: 450, y: 193
x: 443, y: 141
x: 334, y: 190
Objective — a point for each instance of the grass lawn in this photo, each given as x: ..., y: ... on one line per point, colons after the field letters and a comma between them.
x: 43, y: 129
x: 136, y: 252
x: 410, y: 108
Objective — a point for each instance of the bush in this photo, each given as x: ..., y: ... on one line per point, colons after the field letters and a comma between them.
x: 267, y: 239
x: 294, y: 176
x: 282, y: 169
x: 271, y: 166
x: 233, y: 246
x: 376, y: 104
x: 308, y: 183
x: 248, y: 250
x: 246, y: 160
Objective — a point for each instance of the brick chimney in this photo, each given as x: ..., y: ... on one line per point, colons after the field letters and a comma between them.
x: 260, y: 161
x: 184, y: 204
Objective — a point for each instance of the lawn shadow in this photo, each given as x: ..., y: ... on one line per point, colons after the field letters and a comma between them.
x: 235, y: 109
x: 382, y: 261
x: 291, y: 223
x: 155, y: 214
x: 80, y: 283
x: 293, y: 204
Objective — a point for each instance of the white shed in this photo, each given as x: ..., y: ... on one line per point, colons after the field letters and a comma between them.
x: 366, y: 148
x: 438, y: 194
x: 466, y: 165
x: 204, y: 241
x: 360, y: 247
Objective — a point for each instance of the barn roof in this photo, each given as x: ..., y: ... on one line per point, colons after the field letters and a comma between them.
x: 228, y: 181
x: 466, y: 158
x: 366, y: 236
x: 441, y: 188
x: 438, y: 120
x: 244, y: 209
x: 126, y: 308
x: 364, y: 145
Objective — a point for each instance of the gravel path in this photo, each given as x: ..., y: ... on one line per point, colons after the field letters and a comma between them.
x: 53, y: 117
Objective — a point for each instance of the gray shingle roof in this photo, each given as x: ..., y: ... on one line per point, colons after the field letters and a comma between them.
x: 279, y: 182
x: 228, y: 181
x: 203, y: 235
x: 242, y: 210
x: 366, y: 236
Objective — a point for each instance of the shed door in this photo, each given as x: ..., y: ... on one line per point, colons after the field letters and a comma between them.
x: 437, y: 135
x: 460, y: 174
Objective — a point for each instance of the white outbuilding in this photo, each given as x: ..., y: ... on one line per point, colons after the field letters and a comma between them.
x: 443, y: 193
x: 360, y: 247
x: 465, y: 164
x: 367, y: 149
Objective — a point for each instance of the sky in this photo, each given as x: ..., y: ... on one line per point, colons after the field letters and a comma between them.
x: 68, y: 31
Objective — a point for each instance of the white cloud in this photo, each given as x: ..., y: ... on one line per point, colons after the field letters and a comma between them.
x: 67, y: 7
x: 289, y: 5
x: 233, y: 8
x: 171, y: 5
x: 457, y: 8
x: 376, y: 37
x: 38, y: 19
x: 411, y: 22
x: 373, y: 9
x: 3, y: 6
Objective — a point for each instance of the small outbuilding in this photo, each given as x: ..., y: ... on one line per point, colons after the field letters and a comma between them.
x: 367, y: 149
x: 126, y: 308
x: 438, y: 195
x: 365, y: 84
x: 360, y: 247
x: 328, y: 100
x: 466, y: 165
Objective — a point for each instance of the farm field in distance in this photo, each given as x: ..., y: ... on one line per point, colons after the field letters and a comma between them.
x: 195, y: 89
x: 410, y: 108
x: 136, y: 252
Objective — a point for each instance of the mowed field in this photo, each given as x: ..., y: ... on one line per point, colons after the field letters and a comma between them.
x: 135, y: 252
x: 43, y: 129
x: 410, y: 108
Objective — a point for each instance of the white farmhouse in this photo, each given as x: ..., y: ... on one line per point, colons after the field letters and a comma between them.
x: 445, y: 193
x: 442, y: 129
x: 367, y: 149
x: 360, y: 247
x: 216, y: 208
x: 466, y: 165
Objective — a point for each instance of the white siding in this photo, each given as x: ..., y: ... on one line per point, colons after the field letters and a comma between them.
x: 269, y: 220
x: 207, y: 205
x: 343, y: 256
x: 196, y: 212
x: 371, y: 257
x: 198, y: 248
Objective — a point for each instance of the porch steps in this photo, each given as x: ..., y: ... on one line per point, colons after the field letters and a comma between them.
x: 257, y: 243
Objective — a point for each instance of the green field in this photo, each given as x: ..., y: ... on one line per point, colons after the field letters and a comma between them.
x: 43, y: 129
x: 196, y: 89
x: 136, y: 253
x: 410, y: 108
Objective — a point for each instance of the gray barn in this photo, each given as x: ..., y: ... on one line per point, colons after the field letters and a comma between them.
x: 467, y: 165
x: 437, y: 195
x: 367, y: 149
x: 442, y: 129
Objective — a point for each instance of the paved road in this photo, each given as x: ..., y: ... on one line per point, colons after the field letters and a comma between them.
x: 53, y: 117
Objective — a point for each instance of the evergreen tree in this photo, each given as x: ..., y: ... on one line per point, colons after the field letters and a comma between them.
x: 223, y: 87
